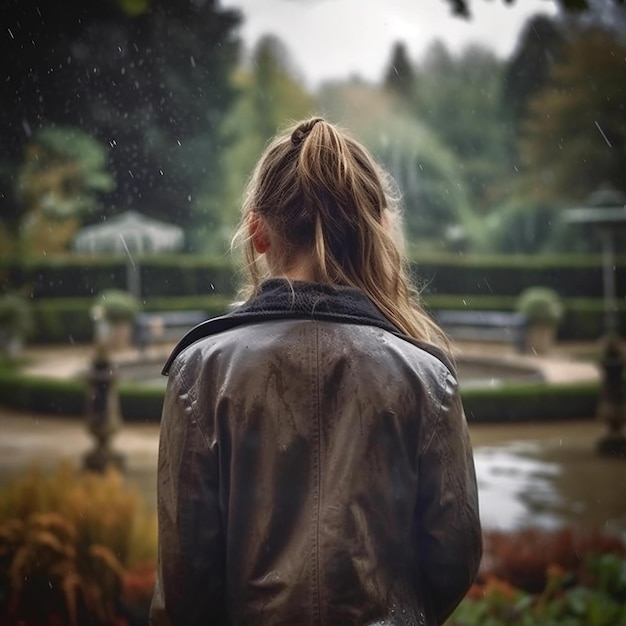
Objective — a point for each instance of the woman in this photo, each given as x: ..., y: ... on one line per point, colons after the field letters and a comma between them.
x: 314, y: 464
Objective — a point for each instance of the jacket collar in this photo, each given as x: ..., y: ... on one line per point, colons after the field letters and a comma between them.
x: 281, y: 299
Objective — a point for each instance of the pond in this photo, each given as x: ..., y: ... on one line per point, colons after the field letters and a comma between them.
x: 474, y: 371
x: 546, y: 475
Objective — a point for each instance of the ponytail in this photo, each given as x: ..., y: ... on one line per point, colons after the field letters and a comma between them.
x: 321, y: 192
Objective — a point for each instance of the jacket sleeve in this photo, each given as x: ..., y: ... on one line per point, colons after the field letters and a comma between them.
x: 449, y: 539
x: 190, y: 571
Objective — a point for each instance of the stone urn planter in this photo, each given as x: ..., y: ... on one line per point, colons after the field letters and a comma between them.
x: 114, y: 316
x: 543, y: 310
x: 16, y: 323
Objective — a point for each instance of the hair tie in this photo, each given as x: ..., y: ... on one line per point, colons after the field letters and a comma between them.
x: 302, y: 132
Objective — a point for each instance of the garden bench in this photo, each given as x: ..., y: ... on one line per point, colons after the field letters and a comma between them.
x: 164, y: 326
x: 504, y: 326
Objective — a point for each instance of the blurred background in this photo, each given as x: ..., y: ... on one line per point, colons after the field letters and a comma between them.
x: 128, y: 130
x: 491, y: 116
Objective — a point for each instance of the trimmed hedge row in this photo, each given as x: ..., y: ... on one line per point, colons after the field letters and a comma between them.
x: 68, y: 320
x: 525, y: 402
x: 51, y: 396
x: 513, y: 402
x: 584, y: 319
x: 83, y: 276
x: 570, y: 276
x: 180, y: 275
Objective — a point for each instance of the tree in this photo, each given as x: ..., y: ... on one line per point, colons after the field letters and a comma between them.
x: 428, y: 176
x: 574, y: 138
x: 150, y: 79
x: 528, y: 70
x: 63, y: 173
x: 459, y: 99
x: 271, y: 96
x: 400, y: 77
x: 462, y: 8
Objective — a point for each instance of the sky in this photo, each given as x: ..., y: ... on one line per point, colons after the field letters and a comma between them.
x: 337, y: 39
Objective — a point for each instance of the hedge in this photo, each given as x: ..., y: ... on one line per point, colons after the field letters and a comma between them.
x: 68, y: 320
x: 180, y: 275
x: 70, y: 276
x: 51, y: 396
x: 584, y: 319
x: 508, y: 275
x: 514, y: 402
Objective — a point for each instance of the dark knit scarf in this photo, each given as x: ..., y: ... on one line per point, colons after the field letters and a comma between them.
x: 280, y: 299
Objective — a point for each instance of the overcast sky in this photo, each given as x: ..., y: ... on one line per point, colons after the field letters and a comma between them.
x: 330, y: 39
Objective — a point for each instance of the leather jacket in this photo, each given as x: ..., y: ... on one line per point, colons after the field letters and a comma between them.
x: 314, y: 468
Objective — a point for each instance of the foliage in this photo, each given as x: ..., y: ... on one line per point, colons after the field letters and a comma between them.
x: 52, y: 396
x: 548, y: 578
x: 69, y: 544
x: 574, y: 137
x: 62, y: 170
x: 527, y: 72
x: 116, y: 305
x: 540, y: 305
x: 400, y: 76
x: 69, y: 320
x: 16, y: 317
x: 528, y: 401
x: 523, y: 226
x: 270, y: 95
x: 434, y: 197
x: 463, y: 8
x: 428, y: 176
x: 149, y: 78
x: 57, y: 184
x: 459, y: 99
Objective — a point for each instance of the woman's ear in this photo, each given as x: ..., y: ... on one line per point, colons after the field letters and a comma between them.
x: 258, y: 233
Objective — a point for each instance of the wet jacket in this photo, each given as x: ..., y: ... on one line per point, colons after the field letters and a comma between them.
x: 314, y: 469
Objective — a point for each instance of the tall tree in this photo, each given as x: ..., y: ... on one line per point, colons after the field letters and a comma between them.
x: 528, y: 70
x: 575, y: 135
x: 400, y: 76
x: 459, y: 99
x: 428, y: 176
x: 463, y: 8
x: 271, y: 96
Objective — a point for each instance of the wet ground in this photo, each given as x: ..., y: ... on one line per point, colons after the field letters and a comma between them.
x: 529, y: 474
x: 549, y: 475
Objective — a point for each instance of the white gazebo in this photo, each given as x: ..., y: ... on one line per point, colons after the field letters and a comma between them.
x: 131, y: 234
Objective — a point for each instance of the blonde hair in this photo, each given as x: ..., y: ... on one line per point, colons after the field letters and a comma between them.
x: 320, y: 192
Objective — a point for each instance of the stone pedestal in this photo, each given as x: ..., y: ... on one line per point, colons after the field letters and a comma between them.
x: 103, y: 415
x: 611, y: 409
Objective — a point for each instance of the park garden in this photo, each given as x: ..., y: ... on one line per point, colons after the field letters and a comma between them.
x: 129, y: 130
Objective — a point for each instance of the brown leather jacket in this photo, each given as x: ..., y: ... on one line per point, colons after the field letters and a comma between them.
x: 314, y: 468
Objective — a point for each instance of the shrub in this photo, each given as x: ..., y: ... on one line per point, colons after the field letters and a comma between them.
x: 540, y: 305
x: 73, y: 547
x: 116, y: 305
x: 524, y: 558
x: 534, y: 577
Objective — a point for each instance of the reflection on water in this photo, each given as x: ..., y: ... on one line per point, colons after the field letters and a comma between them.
x: 514, y: 488
x: 548, y: 475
